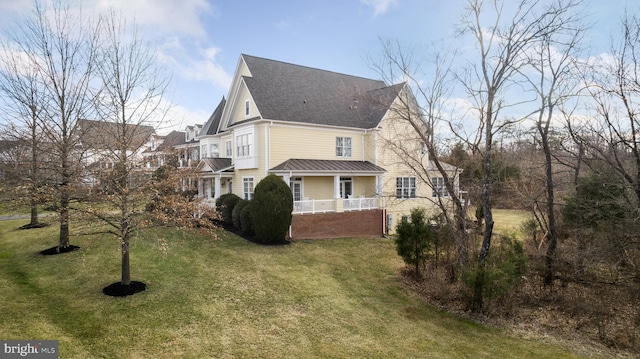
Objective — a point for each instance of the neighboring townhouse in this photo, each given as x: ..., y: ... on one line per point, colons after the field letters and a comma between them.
x: 98, y: 141
x: 324, y: 133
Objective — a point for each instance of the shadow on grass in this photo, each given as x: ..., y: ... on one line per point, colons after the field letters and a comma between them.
x: 250, y: 236
x: 59, y: 250
x: 120, y: 290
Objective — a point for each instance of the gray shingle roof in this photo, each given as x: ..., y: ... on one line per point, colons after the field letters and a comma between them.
x: 212, y: 124
x: 102, y: 135
x: 305, y: 165
x: 174, y: 138
x: 288, y: 92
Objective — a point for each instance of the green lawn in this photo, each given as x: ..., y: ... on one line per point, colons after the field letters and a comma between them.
x: 509, y: 220
x: 232, y: 299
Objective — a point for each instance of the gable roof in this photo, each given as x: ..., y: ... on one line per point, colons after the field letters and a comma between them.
x: 288, y: 92
x: 101, y: 135
x: 174, y: 138
x: 326, y: 166
x: 213, y: 123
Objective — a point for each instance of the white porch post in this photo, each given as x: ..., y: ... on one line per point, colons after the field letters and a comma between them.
x: 339, y: 202
x: 217, y: 187
x: 379, y: 185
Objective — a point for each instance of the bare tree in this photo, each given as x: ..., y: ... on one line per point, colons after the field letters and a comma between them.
x: 129, y: 105
x: 503, y: 40
x: 23, y: 100
x: 611, y: 143
x: 555, y: 81
x: 22, y: 96
x: 614, y: 138
x: 60, y: 48
x: 423, y: 114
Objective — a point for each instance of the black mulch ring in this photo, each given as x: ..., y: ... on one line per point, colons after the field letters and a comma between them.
x: 34, y: 225
x: 119, y: 290
x: 58, y: 250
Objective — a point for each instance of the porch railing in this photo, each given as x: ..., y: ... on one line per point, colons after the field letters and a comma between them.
x: 314, y: 206
x: 329, y: 205
x: 359, y: 204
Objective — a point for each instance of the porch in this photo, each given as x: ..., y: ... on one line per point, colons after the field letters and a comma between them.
x: 313, y: 206
x: 325, y: 186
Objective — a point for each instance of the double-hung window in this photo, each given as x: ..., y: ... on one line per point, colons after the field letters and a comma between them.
x: 343, y: 146
x: 228, y: 148
x: 247, y: 188
x: 243, y: 145
x: 439, y: 188
x: 405, y: 187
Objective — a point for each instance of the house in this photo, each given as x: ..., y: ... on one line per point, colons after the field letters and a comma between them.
x: 324, y: 133
x: 98, y: 141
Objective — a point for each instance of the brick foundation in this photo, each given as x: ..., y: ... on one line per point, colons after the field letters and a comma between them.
x: 335, y: 225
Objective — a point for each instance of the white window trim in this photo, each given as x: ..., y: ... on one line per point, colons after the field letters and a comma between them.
x: 244, y: 145
x: 411, y: 194
x: 346, y: 152
x: 248, y: 195
x: 228, y: 148
x: 438, y: 188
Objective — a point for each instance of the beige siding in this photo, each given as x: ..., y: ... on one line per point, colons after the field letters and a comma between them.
x: 396, y: 132
x: 238, y: 109
x: 311, y: 143
x: 318, y: 187
x: 364, y: 186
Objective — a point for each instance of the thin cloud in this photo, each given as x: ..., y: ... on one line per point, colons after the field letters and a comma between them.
x: 379, y: 6
x: 204, y: 67
x: 165, y: 16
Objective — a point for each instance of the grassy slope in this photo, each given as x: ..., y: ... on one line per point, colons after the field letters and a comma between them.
x: 231, y: 298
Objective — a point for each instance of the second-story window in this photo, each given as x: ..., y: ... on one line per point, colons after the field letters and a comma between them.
x: 243, y: 145
x: 343, y: 146
x: 228, y: 148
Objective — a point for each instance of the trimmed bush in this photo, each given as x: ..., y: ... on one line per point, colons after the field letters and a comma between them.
x: 235, y: 214
x: 225, y: 205
x: 246, y: 224
x: 271, y: 209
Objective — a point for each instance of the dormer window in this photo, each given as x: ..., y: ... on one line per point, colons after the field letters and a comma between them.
x: 246, y: 108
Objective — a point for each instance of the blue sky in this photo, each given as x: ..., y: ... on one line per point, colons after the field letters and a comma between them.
x: 200, y: 41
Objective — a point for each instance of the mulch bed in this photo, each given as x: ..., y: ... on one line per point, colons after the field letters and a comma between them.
x: 119, y: 290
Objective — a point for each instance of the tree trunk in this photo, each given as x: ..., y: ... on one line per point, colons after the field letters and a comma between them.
x: 34, y: 170
x: 553, y: 232
x: 64, y: 218
x: 126, y: 269
x: 34, y: 211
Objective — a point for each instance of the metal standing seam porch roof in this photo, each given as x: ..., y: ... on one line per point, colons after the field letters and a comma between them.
x: 296, y: 165
x: 217, y: 164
